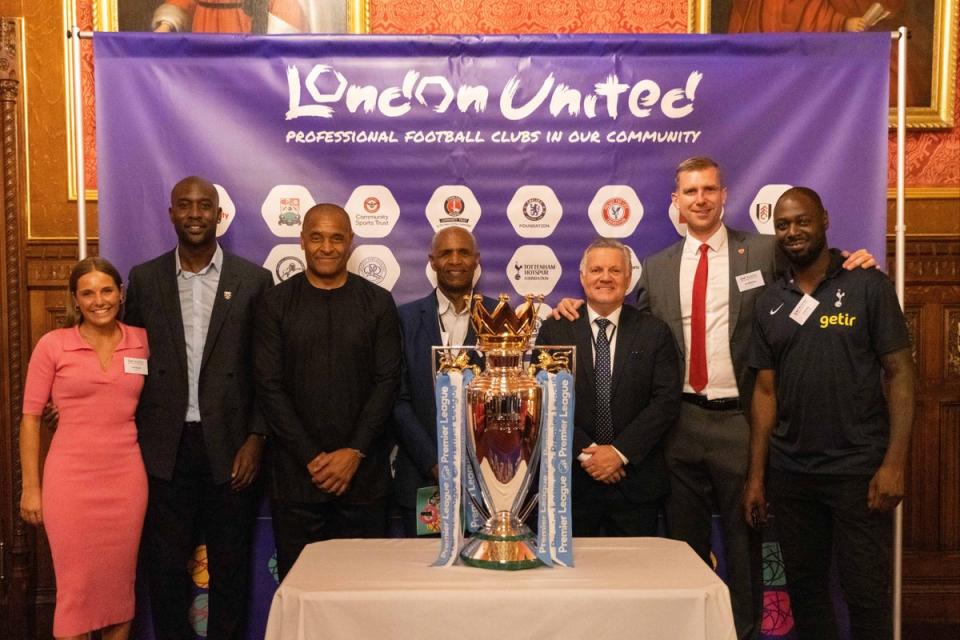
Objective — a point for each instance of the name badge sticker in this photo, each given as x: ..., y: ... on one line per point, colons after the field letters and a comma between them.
x: 135, y: 365
x: 751, y: 280
x: 804, y: 308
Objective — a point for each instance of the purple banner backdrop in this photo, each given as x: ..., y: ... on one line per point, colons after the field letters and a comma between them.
x: 536, y: 143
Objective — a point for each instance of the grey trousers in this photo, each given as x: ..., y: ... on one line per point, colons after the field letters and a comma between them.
x: 707, y: 457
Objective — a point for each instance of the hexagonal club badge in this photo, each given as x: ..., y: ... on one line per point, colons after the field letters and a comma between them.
x: 636, y: 269
x: 285, y: 261
x: 228, y: 208
x: 534, y: 211
x: 615, y: 211
x: 534, y: 268
x: 453, y: 205
x: 761, y: 209
x: 284, y: 207
x: 373, y: 211
x: 376, y: 263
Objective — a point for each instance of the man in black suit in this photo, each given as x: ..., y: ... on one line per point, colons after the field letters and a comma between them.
x: 627, y: 398
x: 438, y: 319
x: 199, y: 430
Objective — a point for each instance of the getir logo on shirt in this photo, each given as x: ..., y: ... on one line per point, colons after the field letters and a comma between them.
x: 839, y: 319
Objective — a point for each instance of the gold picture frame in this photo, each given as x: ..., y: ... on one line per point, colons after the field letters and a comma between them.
x: 935, y: 110
x: 107, y: 16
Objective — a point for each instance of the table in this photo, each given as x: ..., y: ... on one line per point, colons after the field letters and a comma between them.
x: 649, y: 588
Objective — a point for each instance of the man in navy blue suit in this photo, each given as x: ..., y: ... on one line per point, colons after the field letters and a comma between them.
x: 442, y: 318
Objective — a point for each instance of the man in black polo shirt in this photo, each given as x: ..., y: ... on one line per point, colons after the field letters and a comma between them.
x: 822, y: 336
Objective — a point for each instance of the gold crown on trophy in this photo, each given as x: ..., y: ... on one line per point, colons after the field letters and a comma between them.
x: 504, y: 328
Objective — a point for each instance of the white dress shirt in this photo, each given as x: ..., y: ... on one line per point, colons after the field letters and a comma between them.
x: 721, y: 379
x: 453, y: 324
x: 614, y: 318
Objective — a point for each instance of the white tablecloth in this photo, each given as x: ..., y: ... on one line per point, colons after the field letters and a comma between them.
x: 647, y: 588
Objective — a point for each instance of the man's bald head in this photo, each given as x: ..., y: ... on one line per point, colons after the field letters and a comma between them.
x: 327, y: 208
x: 453, y: 232
x: 202, y: 184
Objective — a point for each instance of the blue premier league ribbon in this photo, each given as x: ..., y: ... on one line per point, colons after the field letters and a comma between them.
x: 449, y: 397
x: 555, y: 528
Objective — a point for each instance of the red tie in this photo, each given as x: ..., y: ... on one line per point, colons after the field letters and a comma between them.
x: 698, y: 324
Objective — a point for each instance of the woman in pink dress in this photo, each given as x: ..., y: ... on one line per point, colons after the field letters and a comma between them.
x: 94, y: 491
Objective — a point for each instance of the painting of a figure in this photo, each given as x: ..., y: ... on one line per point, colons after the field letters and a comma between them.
x: 233, y: 16
x: 931, y: 27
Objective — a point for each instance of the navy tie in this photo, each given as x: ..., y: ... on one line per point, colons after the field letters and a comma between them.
x: 602, y: 383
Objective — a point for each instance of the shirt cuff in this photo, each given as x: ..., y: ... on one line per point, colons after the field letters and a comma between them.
x: 583, y: 457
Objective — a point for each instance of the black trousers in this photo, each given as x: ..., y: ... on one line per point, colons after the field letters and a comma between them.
x: 297, y: 524
x: 815, y: 517
x: 601, y: 511
x: 181, y: 512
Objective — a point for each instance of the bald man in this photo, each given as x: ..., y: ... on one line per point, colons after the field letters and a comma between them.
x: 441, y: 318
x: 199, y: 433
x: 327, y: 362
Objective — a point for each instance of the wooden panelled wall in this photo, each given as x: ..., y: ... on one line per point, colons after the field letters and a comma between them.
x: 32, y: 293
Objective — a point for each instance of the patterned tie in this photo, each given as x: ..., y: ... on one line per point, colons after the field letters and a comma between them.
x: 604, y: 431
x: 698, y: 324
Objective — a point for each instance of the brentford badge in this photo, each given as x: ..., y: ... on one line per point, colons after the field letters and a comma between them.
x: 616, y: 211
x: 371, y: 205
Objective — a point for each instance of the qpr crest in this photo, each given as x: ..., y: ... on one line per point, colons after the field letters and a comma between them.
x: 373, y: 269
x: 616, y: 211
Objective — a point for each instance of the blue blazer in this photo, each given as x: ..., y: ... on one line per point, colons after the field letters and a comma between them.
x: 415, y: 412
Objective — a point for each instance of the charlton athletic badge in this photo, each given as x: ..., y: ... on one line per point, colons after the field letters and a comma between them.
x: 453, y: 205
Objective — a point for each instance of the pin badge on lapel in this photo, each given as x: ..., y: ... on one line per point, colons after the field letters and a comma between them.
x: 227, y: 295
x: 741, y: 251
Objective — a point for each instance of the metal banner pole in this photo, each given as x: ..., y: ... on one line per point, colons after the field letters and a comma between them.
x: 901, y: 241
x: 74, y: 36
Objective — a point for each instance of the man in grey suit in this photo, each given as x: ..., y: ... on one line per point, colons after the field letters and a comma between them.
x: 200, y: 434
x: 704, y: 287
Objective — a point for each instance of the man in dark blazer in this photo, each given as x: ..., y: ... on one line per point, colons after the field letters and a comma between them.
x: 200, y: 434
x: 441, y: 318
x: 627, y: 399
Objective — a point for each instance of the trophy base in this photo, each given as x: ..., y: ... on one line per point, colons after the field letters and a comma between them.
x: 504, y: 543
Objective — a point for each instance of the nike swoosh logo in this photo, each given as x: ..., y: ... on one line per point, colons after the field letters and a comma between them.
x: 773, y: 311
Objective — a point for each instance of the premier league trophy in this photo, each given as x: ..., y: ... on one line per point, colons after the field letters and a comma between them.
x: 503, y: 437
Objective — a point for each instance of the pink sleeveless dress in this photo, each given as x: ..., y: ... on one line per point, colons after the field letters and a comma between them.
x: 94, y: 487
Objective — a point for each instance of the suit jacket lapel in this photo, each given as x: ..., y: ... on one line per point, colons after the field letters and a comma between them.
x: 170, y: 296
x: 583, y: 339
x: 673, y: 313
x: 430, y: 322
x: 626, y: 332
x: 226, y: 290
x: 738, y: 265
